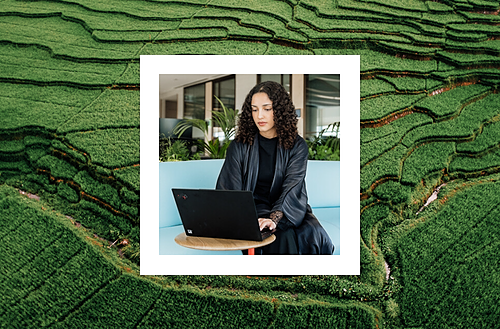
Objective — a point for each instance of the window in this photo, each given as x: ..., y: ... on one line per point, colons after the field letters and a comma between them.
x: 224, y: 89
x: 283, y: 79
x: 322, y: 102
x: 194, y: 102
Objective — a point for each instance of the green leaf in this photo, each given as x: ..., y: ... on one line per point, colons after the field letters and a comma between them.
x: 226, y: 120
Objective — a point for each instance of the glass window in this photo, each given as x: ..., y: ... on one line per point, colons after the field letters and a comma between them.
x: 194, y: 102
x: 283, y: 79
x: 225, y: 91
x: 322, y: 103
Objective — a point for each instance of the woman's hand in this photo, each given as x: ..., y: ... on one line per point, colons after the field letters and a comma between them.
x: 266, y: 222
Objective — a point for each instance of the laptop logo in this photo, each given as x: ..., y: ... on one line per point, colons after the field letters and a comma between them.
x: 190, y: 231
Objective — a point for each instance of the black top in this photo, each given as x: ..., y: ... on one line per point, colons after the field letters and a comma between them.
x: 267, y: 164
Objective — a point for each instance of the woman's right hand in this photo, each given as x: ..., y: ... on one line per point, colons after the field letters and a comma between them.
x: 267, y: 222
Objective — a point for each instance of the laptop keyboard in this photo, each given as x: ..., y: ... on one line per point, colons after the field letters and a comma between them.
x: 266, y: 233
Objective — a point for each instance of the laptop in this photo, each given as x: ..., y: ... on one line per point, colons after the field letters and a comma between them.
x: 219, y: 214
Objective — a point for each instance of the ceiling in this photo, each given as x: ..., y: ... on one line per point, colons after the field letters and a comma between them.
x: 169, y: 82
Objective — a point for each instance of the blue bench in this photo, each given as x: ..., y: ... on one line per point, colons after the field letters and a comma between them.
x: 322, y: 183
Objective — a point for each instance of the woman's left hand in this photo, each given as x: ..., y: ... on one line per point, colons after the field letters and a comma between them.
x: 266, y: 222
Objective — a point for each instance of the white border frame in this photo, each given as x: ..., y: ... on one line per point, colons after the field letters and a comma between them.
x: 347, y: 263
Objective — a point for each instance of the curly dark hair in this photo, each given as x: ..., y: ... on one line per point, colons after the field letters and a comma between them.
x: 285, y: 118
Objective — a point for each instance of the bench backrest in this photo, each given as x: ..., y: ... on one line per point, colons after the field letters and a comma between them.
x: 322, y: 183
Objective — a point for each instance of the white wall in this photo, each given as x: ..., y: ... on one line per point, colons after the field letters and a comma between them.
x: 298, y: 100
x: 176, y: 94
x: 244, y: 83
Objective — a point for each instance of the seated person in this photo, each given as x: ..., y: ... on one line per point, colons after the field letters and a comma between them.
x: 269, y: 158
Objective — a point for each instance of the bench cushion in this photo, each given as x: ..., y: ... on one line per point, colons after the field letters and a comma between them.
x: 183, y: 174
x: 329, y: 217
x: 322, y: 183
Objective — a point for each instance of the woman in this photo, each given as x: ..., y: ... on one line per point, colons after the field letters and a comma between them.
x: 269, y: 158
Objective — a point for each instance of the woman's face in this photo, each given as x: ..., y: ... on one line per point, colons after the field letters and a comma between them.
x: 262, y: 113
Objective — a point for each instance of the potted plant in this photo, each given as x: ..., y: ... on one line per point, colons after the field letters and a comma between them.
x: 226, y: 120
x: 325, y: 147
x: 177, y: 150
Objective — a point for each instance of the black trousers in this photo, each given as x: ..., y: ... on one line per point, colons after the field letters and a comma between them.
x: 285, y: 244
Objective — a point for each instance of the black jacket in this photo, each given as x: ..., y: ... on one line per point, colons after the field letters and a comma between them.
x: 288, y: 190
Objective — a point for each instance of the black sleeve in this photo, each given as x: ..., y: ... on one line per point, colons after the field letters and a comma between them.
x: 293, y: 198
x: 282, y: 223
x: 230, y: 176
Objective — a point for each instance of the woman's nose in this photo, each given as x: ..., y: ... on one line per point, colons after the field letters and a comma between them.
x: 261, y: 114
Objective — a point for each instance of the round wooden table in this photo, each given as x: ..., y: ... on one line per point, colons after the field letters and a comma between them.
x: 216, y: 244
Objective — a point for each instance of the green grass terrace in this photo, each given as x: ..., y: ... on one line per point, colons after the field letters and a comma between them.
x: 430, y: 163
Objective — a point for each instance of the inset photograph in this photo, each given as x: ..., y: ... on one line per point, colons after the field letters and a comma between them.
x: 249, y: 164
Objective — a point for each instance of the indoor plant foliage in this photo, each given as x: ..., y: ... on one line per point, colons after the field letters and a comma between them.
x: 325, y: 147
x: 226, y: 120
x: 177, y: 150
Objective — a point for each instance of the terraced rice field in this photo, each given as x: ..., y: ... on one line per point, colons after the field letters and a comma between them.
x: 69, y: 139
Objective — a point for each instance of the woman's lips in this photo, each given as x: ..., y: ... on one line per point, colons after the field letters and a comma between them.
x: 262, y: 123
